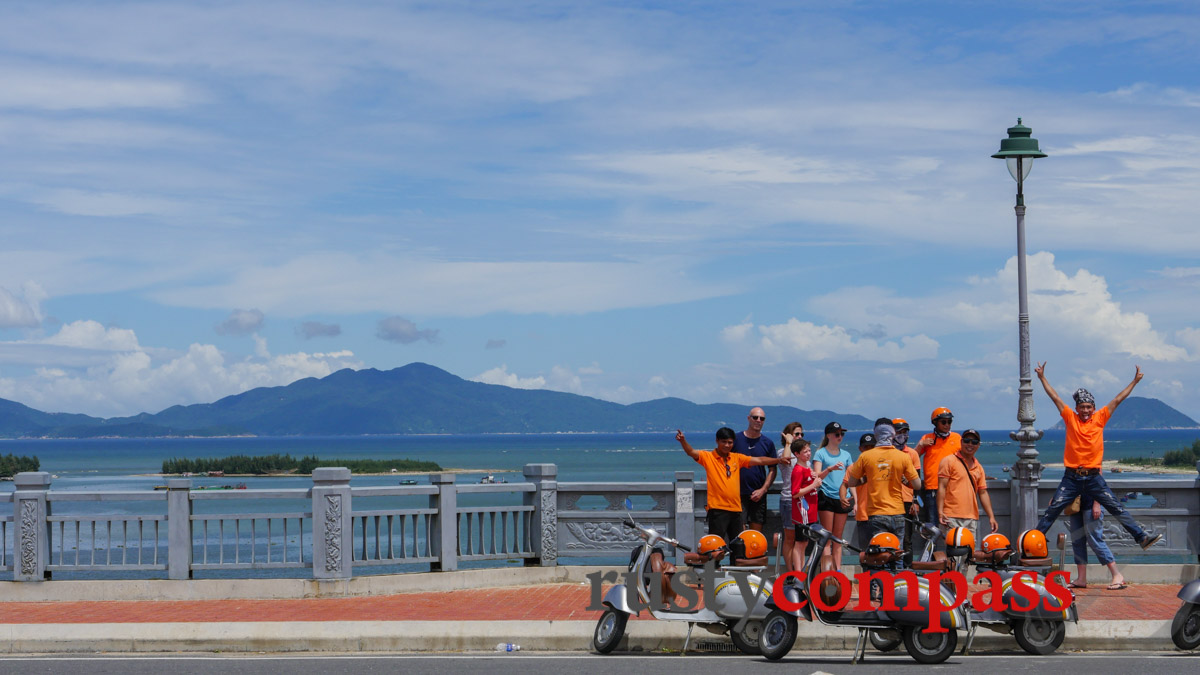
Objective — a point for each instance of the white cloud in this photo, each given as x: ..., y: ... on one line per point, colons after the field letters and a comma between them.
x: 400, y: 329
x: 21, y: 311
x: 106, y: 204
x: 803, y: 341
x: 500, y: 375
x: 61, y: 90
x: 106, y: 372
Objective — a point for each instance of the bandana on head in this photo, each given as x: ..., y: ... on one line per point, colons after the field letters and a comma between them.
x: 1083, y: 396
x: 884, y: 433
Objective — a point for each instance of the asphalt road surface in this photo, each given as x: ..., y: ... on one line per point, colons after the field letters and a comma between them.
x: 807, y: 663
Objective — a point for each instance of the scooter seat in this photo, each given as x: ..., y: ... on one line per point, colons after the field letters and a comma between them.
x: 1036, y: 562
x: 879, y: 558
x: 751, y: 562
x: 943, y: 565
x: 693, y: 558
x: 992, y: 557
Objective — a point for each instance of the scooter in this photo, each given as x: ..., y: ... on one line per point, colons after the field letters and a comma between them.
x: 779, y: 628
x: 728, y: 606
x: 1185, y: 627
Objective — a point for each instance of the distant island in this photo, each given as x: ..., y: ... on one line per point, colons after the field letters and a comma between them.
x: 422, y: 399
x: 1145, y: 413
x: 11, y: 465
x: 265, y: 465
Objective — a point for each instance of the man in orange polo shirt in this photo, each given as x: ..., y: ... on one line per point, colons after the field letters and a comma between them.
x: 1083, y: 454
x: 723, y: 468
x: 883, y: 469
x: 933, y: 448
x: 962, y: 488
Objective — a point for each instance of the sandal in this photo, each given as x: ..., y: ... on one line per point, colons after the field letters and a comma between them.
x: 1117, y: 587
x: 1074, y: 585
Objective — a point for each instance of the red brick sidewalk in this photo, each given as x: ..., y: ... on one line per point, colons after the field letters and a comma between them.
x: 555, y: 602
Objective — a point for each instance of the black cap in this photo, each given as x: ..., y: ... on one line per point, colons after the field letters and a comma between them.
x: 971, y: 432
x: 867, y: 439
x: 833, y: 427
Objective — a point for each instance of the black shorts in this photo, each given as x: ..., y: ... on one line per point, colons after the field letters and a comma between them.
x: 808, y: 549
x: 725, y: 524
x: 754, y: 511
x: 833, y: 504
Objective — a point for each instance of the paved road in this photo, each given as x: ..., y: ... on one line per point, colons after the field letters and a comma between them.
x: 1092, y: 663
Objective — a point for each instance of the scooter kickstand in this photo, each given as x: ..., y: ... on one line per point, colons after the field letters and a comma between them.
x: 966, y: 650
x: 687, y: 639
x: 860, y: 647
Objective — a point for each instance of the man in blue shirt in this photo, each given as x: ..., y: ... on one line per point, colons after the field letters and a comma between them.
x: 755, y: 479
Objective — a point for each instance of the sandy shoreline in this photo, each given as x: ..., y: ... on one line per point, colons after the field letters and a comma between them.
x: 1115, y: 466
x: 286, y: 475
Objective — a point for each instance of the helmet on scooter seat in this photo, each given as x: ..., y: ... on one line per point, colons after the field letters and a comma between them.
x: 1032, y: 544
x: 885, y: 541
x: 756, y: 543
x: 996, y: 542
x: 710, y: 543
x: 960, y: 537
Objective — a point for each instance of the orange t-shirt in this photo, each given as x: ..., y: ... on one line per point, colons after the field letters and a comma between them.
x: 934, y: 454
x: 883, y: 467
x: 905, y: 490
x: 1084, y: 448
x: 959, y: 498
x: 860, y: 502
x: 724, y: 489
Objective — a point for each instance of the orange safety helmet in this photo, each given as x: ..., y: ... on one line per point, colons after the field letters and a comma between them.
x: 940, y: 412
x: 996, y: 542
x: 1032, y: 544
x: 756, y: 543
x: 900, y: 424
x: 710, y: 543
x: 960, y: 536
x: 886, y: 540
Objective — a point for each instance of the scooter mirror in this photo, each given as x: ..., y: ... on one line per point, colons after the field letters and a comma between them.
x: 628, y: 504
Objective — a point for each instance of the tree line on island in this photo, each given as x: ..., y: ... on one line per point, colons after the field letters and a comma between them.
x: 286, y: 464
x: 11, y: 465
x: 1185, y: 456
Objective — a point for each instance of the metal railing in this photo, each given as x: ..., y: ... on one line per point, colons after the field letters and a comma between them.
x: 333, y: 529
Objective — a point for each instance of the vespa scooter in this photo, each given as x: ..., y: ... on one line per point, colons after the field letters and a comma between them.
x: 1185, y: 627
x: 729, y: 604
x: 779, y: 628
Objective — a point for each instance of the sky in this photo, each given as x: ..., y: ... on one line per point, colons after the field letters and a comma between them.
x: 767, y: 203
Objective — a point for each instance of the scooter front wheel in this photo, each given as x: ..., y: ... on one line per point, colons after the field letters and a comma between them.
x: 928, y: 647
x: 1185, y: 628
x: 886, y: 639
x: 1039, y: 636
x: 746, y: 640
x: 778, y: 634
x: 609, y: 630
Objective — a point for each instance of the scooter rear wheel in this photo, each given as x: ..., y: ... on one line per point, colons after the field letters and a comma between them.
x: 886, y: 639
x: 1039, y: 636
x: 1185, y: 629
x: 778, y: 634
x: 747, y: 639
x: 927, y: 647
x: 609, y: 630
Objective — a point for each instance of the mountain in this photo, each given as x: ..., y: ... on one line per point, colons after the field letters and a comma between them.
x: 1146, y: 413
x: 413, y: 399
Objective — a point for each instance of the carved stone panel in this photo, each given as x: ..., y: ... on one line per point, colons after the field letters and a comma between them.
x: 333, y: 533
x: 549, y: 527
x: 29, y: 536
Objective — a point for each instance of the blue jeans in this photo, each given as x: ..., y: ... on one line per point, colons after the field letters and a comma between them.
x: 893, y: 524
x: 1094, y: 486
x: 1087, y: 531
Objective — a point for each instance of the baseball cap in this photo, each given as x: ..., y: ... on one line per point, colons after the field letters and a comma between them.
x: 971, y: 432
x: 867, y: 439
x: 833, y: 427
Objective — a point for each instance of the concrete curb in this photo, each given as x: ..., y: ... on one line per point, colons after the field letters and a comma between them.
x: 457, y: 636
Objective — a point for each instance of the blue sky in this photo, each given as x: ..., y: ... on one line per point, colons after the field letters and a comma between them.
x: 764, y: 203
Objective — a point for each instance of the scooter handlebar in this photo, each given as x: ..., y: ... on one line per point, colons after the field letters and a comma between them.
x: 679, y: 545
x: 629, y: 523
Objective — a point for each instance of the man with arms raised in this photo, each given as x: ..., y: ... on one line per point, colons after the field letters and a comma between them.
x: 1083, y: 454
x: 755, y: 480
x: 723, y: 467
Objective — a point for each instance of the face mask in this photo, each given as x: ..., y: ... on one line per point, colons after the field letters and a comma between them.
x: 901, y: 439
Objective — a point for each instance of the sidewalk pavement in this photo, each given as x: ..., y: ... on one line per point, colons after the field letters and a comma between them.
x: 545, y: 616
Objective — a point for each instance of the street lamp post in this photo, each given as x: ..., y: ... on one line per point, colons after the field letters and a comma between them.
x: 1020, y: 149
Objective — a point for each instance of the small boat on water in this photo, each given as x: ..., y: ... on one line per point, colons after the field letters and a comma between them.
x: 490, y: 479
x: 409, y: 481
x: 239, y: 486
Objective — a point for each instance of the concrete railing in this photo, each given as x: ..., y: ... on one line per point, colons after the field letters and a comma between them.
x: 337, y: 531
